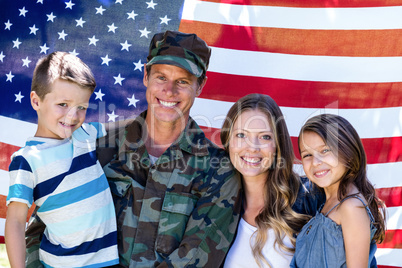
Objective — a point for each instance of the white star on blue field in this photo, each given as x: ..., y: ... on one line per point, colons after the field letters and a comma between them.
x: 111, y: 37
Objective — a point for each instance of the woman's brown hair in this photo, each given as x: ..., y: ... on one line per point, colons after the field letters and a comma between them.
x: 282, y: 184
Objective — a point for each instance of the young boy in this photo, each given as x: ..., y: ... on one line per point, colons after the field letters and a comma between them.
x: 58, y: 171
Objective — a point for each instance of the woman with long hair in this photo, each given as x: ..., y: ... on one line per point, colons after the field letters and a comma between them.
x: 275, y: 200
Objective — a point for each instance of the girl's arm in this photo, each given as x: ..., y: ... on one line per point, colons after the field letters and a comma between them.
x: 15, y: 233
x: 356, y: 233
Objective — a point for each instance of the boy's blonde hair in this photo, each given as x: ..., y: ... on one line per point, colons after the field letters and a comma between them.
x: 61, y: 65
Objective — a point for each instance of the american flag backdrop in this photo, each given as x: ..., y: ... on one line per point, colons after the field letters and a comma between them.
x: 311, y: 56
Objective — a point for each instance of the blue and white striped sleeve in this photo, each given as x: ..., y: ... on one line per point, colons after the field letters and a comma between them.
x: 21, y: 181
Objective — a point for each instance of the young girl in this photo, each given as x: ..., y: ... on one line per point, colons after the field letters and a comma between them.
x: 346, y: 228
x: 256, y: 137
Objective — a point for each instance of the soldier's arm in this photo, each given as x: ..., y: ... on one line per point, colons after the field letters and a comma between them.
x: 33, y: 236
x: 309, y: 198
x: 212, y: 224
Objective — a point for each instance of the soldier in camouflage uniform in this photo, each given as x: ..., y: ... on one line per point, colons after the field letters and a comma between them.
x: 175, y: 192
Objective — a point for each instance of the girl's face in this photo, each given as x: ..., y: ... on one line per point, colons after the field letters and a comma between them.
x: 319, y: 163
x: 252, y: 144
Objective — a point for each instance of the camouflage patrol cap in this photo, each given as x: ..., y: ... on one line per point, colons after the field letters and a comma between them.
x: 183, y: 50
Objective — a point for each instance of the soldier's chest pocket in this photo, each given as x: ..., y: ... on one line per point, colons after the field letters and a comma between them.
x: 176, y: 210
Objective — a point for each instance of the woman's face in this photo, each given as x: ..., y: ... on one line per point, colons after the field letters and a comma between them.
x: 252, y: 144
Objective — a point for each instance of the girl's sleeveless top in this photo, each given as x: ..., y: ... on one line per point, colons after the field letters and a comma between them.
x: 320, y: 242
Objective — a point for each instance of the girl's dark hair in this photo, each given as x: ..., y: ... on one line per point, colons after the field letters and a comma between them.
x: 341, y: 137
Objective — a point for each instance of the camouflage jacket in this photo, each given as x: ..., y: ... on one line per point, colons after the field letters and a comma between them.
x: 181, y: 211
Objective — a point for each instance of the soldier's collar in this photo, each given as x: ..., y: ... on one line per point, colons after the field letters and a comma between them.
x: 133, y: 136
x: 193, y: 140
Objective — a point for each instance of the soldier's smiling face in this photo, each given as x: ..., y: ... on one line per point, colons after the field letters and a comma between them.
x: 171, y: 92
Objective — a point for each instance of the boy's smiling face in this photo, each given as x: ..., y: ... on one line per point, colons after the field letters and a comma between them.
x: 62, y: 110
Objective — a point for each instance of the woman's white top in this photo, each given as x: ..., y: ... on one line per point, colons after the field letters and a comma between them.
x: 240, y: 254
